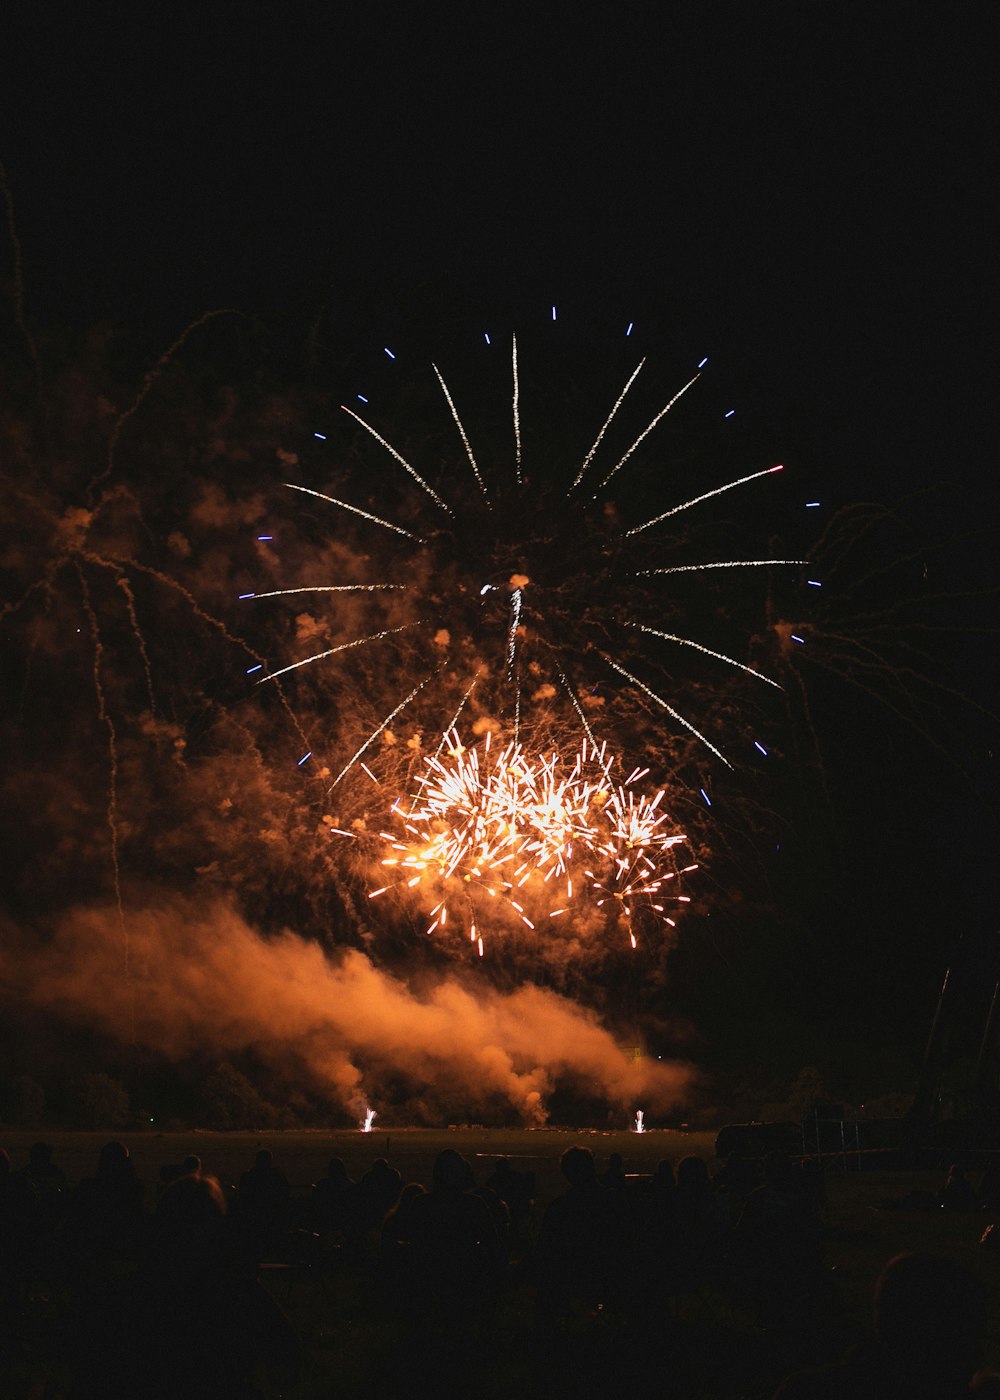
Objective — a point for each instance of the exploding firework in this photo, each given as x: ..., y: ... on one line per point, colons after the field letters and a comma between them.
x: 520, y: 594
x: 533, y: 836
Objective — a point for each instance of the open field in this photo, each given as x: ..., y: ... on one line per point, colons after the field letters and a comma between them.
x: 709, y: 1352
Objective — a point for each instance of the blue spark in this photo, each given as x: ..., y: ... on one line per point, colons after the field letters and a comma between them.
x: 814, y: 583
x: 760, y: 747
x: 388, y: 352
x: 797, y: 639
x: 303, y: 759
x: 251, y: 669
x: 708, y: 800
x: 486, y: 337
x: 703, y: 363
x: 811, y: 505
x: 730, y: 413
x: 630, y: 325
x: 321, y: 436
x: 553, y: 313
x: 265, y: 537
x: 241, y: 596
x: 361, y: 397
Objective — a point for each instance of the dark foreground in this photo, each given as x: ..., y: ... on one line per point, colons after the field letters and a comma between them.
x: 639, y: 1286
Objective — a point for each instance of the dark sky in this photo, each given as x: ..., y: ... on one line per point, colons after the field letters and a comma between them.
x: 799, y: 190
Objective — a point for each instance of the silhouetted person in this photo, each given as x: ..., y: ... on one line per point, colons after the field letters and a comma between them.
x: 331, y: 1200
x: 989, y: 1186
x: 47, y: 1184
x: 930, y: 1322
x: 372, y: 1199
x: 104, y: 1219
x: 957, y: 1193
x: 172, y: 1171
x: 18, y: 1227
x: 778, y: 1244
x: 698, y: 1229
x: 516, y: 1189
x: 581, y: 1240
x: 613, y: 1179
x: 398, y: 1272
x: 264, y: 1204
x: 457, y: 1253
x: 192, y: 1324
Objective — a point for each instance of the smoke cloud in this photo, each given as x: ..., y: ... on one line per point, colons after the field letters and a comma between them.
x: 199, y: 978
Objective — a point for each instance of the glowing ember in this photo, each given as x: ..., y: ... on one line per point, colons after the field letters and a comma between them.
x: 536, y: 832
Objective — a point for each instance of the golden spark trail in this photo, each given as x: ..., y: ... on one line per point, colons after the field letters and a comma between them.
x: 719, y: 655
x: 373, y: 736
x: 597, y: 441
x: 707, y: 495
x: 722, y: 564
x: 646, y: 431
x: 458, y: 424
x: 669, y: 709
x: 344, y: 646
x: 355, y: 510
x: 517, y: 413
x: 329, y: 588
x: 402, y: 460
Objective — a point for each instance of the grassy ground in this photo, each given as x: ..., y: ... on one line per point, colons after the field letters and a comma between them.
x: 705, y: 1350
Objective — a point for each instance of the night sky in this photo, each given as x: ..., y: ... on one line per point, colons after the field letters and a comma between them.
x: 797, y: 191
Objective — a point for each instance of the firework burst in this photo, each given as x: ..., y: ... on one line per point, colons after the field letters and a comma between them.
x: 528, y: 589
x: 533, y: 836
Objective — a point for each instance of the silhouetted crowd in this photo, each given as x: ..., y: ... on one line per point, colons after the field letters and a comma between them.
x: 128, y: 1297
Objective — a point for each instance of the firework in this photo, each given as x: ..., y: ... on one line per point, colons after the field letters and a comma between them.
x: 522, y: 594
x: 532, y: 836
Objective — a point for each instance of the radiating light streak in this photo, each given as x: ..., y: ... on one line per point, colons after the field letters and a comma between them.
x: 355, y: 510
x: 708, y: 800
x: 722, y: 564
x: 553, y: 313
x: 515, y: 621
x: 487, y: 338
x: 798, y: 639
x: 703, y: 363
x: 251, y: 669
x: 760, y: 747
x: 458, y: 424
x: 399, y: 458
x: 814, y: 583
x: 330, y: 588
x: 305, y: 758
x: 811, y: 505
x: 647, y: 430
x: 360, y: 398
x: 374, y: 735
x: 321, y: 436
x: 669, y: 709
x: 332, y: 651
x: 597, y: 441
x: 705, y: 496
x: 730, y: 413
x: 719, y: 655
x: 517, y: 412
x: 388, y: 352
x: 629, y: 330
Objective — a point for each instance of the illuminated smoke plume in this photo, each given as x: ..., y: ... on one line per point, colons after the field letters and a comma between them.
x: 204, y: 980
